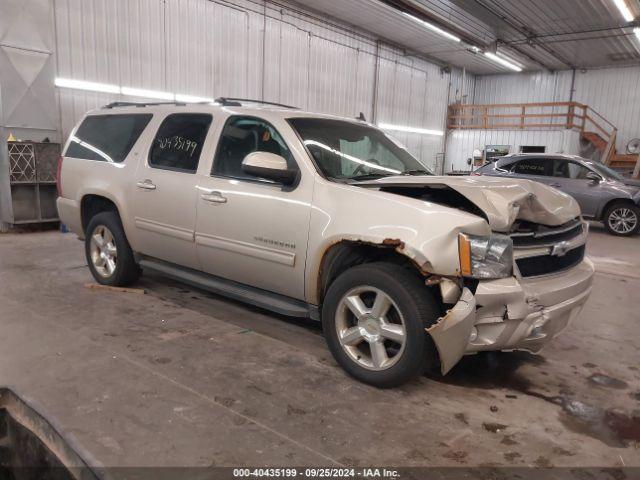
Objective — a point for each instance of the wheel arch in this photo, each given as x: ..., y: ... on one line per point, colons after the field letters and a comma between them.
x: 345, y: 254
x: 91, y: 204
x: 613, y: 202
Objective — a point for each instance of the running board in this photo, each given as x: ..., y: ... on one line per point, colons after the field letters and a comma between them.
x: 237, y: 291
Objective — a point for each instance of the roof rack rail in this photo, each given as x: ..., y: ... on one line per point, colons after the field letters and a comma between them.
x: 236, y: 102
x: 140, y: 104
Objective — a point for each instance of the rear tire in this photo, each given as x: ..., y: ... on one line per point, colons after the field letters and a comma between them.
x: 388, y: 349
x: 622, y: 219
x: 108, y: 253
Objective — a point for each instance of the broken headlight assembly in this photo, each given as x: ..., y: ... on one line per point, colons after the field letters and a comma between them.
x: 485, y: 257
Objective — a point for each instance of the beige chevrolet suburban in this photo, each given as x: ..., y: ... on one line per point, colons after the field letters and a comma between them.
x: 315, y: 215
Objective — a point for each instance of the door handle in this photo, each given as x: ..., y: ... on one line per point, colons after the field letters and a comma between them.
x: 555, y: 185
x: 146, y: 185
x: 214, y: 197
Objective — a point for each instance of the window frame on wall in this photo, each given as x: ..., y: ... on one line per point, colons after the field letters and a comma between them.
x: 200, y: 147
x: 291, y: 161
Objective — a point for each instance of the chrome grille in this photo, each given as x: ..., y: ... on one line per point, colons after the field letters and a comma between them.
x: 534, y: 235
x: 540, y: 250
x: 549, y: 264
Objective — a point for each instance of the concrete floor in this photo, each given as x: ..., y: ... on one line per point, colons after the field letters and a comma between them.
x: 182, y: 377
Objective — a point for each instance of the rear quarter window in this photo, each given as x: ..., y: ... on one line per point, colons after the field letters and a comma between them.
x: 107, y: 138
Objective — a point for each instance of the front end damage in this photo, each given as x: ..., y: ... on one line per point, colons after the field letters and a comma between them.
x: 522, y: 312
x: 551, y: 278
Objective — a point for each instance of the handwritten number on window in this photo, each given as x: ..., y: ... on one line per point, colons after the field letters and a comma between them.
x: 178, y: 143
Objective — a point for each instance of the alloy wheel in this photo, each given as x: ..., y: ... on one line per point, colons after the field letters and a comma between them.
x: 622, y: 220
x: 103, y: 250
x: 371, y: 328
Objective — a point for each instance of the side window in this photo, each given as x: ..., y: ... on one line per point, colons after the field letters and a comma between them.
x: 502, y: 165
x: 107, y: 138
x: 242, y: 136
x: 576, y: 171
x: 179, y: 140
x: 533, y: 166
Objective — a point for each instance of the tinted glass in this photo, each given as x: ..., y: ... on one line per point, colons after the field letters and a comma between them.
x: 533, y: 166
x: 606, y: 171
x: 565, y: 169
x: 503, y: 165
x: 107, y: 138
x: 242, y: 136
x: 179, y: 141
x: 351, y: 151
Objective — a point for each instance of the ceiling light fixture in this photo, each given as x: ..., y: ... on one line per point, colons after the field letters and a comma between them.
x: 502, y: 61
x: 133, y: 92
x: 624, y: 10
x: 192, y: 99
x: 509, y: 59
x: 138, y: 92
x: 90, y: 86
x: 400, y: 128
x: 432, y: 27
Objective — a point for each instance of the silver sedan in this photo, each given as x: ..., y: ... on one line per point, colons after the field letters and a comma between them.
x: 603, y: 194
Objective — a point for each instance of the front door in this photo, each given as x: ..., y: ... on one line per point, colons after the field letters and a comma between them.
x: 571, y: 178
x: 165, y: 190
x: 252, y: 230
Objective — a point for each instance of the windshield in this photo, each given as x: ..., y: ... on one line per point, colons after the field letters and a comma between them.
x: 605, y: 171
x: 347, y: 151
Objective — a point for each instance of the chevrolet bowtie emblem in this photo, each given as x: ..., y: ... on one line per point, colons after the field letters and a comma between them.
x: 560, y: 249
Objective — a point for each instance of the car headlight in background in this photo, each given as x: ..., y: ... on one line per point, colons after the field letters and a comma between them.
x: 485, y: 257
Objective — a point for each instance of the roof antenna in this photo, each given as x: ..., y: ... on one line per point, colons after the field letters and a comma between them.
x: 361, y: 117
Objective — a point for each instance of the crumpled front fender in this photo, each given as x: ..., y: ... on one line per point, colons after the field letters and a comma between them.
x: 451, y: 332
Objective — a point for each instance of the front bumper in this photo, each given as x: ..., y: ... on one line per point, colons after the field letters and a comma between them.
x: 512, y: 314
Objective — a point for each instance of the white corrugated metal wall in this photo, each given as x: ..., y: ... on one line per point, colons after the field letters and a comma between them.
x: 521, y: 88
x: 248, y: 49
x: 615, y: 94
x: 612, y: 92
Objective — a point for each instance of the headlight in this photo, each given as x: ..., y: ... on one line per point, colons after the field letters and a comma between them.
x: 485, y: 257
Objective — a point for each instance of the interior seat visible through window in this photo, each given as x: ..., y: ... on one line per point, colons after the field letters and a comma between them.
x: 242, y: 136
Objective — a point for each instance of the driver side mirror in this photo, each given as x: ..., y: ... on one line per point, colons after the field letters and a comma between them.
x: 270, y: 166
x: 594, y: 177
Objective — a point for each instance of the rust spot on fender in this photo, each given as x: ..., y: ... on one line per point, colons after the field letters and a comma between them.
x: 393, y: 242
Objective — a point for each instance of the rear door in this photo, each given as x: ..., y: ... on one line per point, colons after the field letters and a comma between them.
x: 165, y: 190
x: 539, y: 169
x: 571, y: 178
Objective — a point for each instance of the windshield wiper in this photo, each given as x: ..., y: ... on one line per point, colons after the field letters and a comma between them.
x: 369, y: 176
x: 417, y: 172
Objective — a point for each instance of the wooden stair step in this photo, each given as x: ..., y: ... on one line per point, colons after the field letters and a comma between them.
x: 595, y: 139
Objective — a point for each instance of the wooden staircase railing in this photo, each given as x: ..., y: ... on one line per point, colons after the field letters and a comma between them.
x: 593, y: 127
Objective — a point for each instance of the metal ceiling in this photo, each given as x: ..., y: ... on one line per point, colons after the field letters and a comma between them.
x: 538, y: 34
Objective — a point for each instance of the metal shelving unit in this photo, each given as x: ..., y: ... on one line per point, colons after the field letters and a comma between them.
x: 30, y: 195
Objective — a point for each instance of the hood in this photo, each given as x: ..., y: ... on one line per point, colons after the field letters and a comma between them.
x: 631, y: 183
x: 501, y: 200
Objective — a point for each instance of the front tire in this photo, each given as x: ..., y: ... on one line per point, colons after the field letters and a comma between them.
x: 108, y: 253
x: 374, y: 319
x: 622, y: 219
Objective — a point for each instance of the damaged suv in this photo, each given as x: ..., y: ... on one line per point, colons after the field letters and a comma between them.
x: 320, y: 216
